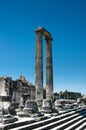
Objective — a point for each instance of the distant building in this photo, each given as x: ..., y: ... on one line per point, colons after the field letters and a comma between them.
x: 66, y: 95
x: 70, y: 95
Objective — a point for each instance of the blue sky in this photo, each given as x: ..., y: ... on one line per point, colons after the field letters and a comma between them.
x: 65, y: 20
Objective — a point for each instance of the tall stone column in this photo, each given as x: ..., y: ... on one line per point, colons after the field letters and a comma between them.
x: 49, y: 69
x: 39, y: 68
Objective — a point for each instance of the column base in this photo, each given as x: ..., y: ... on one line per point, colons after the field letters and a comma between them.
x: 47, y: 106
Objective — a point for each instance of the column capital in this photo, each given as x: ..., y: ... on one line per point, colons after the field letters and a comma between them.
x: 45, y: 33
x: 39, y: 29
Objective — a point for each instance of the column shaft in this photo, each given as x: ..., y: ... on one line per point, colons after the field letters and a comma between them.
x: 39, y: 67
x: 49, y: 70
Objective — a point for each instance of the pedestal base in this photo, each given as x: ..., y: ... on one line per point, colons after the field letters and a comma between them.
x: 47, y: 106
x: 58, y: 105
x: 30, y: 108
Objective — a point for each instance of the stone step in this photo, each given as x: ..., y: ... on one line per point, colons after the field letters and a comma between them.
x: 25, y: 125
x: 15, y: 125
x: 58, y: 123
x: 67, y: 124
x: 48, y: 122
x: 77, y: 124
x: 18, y: 124
x: 22, y: 123
x: 82, y: 127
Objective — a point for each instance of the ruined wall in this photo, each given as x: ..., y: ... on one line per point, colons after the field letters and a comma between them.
x: 5, y: 86
x: 16, y: 89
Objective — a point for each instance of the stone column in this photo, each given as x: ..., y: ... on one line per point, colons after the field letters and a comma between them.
x: 39, y: 68
x: 49, y: 69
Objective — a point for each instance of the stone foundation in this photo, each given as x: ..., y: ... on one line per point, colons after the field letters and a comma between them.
x: 28, y: 110
x: 47, y: 106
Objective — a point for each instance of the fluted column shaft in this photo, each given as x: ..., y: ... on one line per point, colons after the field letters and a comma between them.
x: 39, y: 66
x: 49, y: 69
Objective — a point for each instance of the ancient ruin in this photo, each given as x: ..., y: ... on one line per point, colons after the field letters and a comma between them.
x: 5, y: 101
x: 27, y: 106
x: 40, y: 31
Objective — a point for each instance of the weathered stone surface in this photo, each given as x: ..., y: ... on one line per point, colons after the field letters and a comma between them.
x: 40, y: 31
x: 39, y: 67
x: 49, y: 69
x: 20, y: 109
x: 30, y: 108
x: 47, y: 106
x: 58, y: 105
x: 5, y: 86
x: 5, y: 100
